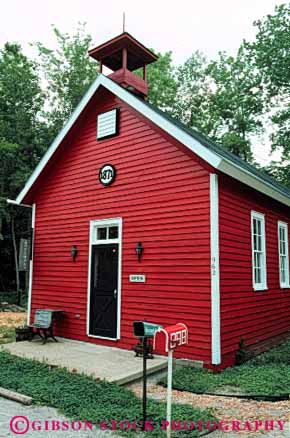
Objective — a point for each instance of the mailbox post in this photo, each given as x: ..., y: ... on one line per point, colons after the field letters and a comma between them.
x: 145, y: 330
x: 175, y: 335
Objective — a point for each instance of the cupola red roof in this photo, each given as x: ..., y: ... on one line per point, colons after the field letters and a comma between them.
x: 124, y: 54
x: 110, y: 53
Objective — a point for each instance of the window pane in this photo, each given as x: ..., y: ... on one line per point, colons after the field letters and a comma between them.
x: 113, y: 233
x: 258, y: 275
x: 255, y: 242
x: 283, y: 247
x: 255, y: 226
x: 102, y: 233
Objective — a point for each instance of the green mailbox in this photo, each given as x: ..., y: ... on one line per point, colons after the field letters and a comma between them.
x: 143, y: 329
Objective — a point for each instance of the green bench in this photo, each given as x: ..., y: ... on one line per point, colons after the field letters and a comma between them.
x: 43, y: 324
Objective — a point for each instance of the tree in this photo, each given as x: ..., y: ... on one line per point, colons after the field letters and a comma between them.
x: 222, y: 99
x: 12, y: 174
x: 21, y: 147
x: 21, y: 100
x: 69, y: 72
x: 161, y: 82
x: 193, y: 95
x: 271, y: 50
x: 236, y: 103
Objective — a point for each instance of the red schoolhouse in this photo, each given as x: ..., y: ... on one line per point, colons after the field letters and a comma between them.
x: 137, y: 217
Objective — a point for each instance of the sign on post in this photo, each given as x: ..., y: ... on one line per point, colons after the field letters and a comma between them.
x: 173, y: 336
x: 24, y: 250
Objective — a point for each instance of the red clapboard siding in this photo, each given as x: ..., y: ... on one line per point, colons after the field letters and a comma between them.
x: 255, y: 316
x: 162, y: 194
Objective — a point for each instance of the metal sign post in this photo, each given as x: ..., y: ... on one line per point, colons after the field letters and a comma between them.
x: 144, y: 382
x: 145, y: 330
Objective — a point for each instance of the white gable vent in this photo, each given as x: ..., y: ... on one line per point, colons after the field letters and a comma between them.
x: 107, y: 124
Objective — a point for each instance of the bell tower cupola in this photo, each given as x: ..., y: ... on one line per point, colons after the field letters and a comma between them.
x: 123, y: 55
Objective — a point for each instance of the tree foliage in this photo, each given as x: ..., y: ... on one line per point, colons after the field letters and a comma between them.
x: 69, y: 72
x: 271, y: 52
x: 21, y: 100
x: 193, y: 94
x: 162, y: 83
x: 21, y: 146
x: 236, y: 103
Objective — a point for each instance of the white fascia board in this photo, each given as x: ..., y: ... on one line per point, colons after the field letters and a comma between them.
x: 251, y: 180
x: 214, y: 159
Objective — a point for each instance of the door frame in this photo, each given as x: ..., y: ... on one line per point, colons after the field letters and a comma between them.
x: 94, y: 241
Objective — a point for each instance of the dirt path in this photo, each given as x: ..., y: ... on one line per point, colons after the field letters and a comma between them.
x: 228, y: 409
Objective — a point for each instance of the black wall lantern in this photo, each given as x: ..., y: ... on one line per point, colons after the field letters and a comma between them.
x: 74, y: 252
x: 139, y: 251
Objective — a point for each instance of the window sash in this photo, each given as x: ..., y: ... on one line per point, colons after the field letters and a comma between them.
x: 283, y: 254
x: 258, y: 251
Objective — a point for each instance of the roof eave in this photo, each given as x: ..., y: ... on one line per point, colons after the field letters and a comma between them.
x: 211, y: 157
x: 253, y: 181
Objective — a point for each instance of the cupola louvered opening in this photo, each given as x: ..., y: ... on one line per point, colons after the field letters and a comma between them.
x: 108, y: 124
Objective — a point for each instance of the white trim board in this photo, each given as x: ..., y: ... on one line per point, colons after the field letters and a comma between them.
x: 214, y: 159
x: 93, y: 241
x: 33, y: 211
x: 215, y: 271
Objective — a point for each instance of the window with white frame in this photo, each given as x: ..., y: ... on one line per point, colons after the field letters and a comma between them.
x: 283, y: 254
x: 259, y: 251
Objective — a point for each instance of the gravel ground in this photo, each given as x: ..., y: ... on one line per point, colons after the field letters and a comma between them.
x: 229, y: 409
x: 12, y: 319
x: 39, y: 414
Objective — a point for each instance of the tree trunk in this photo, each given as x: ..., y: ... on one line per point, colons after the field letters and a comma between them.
x: 16, y: 262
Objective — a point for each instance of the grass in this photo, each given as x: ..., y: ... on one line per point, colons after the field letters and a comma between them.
x: 267, y: 374
x: 7, y: 334
x: 84, y: 398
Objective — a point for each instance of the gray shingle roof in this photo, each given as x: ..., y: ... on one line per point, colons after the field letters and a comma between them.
x: 222, y: 152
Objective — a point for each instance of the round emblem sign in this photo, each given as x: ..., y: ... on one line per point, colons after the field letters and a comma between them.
x: 107, y: 174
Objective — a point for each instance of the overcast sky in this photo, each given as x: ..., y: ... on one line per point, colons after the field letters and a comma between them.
x: 180, y: 26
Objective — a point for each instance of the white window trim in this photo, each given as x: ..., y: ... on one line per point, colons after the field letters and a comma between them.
x: 93, y: 241
x: 283, y: 225
x: 263, y: 285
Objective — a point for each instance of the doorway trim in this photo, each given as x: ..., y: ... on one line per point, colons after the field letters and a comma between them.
x: 94, y: 224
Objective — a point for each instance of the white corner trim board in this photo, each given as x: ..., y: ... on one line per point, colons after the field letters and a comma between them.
x: 31, y: 264
x: 208, y: 155
x: 215, y: 271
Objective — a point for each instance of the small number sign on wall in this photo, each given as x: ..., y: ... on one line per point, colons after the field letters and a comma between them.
x: 137, y: 278
x: 107, y: 174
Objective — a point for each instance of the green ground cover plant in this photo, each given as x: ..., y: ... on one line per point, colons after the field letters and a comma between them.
x: 7, y: 334
x: 266, y: 374
x: 84, y: 398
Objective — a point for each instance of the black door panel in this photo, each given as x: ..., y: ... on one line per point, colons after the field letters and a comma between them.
x: 104, y: 290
